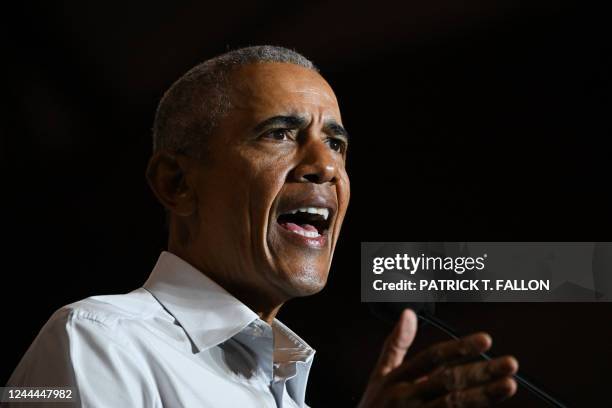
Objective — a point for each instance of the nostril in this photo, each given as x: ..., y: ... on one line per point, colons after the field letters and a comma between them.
x: 317, y: 173
x: 313, y: 178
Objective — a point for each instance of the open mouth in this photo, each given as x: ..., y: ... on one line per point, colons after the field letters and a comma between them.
x: 309, y: 222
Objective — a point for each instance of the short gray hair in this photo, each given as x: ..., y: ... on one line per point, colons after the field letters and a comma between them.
x: 191, y: 108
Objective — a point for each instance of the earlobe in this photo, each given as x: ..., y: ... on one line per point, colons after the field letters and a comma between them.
x: 167, y: 178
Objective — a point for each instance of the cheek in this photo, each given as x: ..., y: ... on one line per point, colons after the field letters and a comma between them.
x: 344, y: 192
x: 263, y: 177
x: 258, y: 163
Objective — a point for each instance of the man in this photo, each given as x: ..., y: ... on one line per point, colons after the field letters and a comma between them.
x: 249, y: 162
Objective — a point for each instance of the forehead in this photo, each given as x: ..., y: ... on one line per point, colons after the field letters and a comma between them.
x: 263, y: 89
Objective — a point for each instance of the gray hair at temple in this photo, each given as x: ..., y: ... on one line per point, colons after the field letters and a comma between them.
x: 189, y: 111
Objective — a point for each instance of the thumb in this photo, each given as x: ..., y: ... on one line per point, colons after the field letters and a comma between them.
x: 397, y: 344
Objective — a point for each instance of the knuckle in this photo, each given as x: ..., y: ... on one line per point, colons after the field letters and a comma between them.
x: 464, y: 350
x: 452, y: 379
x: 467, y: 348
x: 447, y: 378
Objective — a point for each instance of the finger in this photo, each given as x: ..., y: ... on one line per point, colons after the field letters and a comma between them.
x: 466, y: 376
x: 397, y: 344
x: 483, y: 396
x: 442, y: 354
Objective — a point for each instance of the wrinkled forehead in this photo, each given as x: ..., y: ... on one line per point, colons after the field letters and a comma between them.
x: 264, y: 89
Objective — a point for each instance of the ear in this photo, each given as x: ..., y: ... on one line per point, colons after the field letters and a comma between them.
x: 167, y: 177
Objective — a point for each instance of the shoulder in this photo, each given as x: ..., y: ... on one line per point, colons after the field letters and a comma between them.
x: 91, y: 345
x: 112, y: 309
x: 86, y: 336
x: 114, y: 314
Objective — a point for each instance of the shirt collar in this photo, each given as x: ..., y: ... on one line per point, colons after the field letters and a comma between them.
x: 211, y: 316
x: 207, y: 312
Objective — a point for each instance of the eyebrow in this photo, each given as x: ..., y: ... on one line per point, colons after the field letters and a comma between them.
x: 330, y: 126
x: 288, y: 121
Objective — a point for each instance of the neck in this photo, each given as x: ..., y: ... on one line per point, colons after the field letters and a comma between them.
x: 261, y: 303
x: 269, y: 315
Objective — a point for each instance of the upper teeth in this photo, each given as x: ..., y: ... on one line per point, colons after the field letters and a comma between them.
x: 313, y: 210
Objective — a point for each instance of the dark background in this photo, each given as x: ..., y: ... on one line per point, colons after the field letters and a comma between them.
x: 470, y: 121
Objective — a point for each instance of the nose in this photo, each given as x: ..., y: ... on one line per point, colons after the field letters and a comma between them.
x: 317, y: 164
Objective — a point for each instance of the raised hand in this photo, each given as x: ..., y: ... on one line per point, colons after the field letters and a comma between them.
x: 439, y: 376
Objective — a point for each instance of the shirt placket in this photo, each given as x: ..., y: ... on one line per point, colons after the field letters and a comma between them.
x: 258, y: 337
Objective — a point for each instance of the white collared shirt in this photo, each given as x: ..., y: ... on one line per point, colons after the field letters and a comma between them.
x: 179, y: 341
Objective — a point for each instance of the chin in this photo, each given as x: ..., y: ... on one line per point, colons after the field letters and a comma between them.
x: 305, y: 281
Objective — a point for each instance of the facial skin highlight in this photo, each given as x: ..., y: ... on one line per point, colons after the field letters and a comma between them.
x: 280, y: 148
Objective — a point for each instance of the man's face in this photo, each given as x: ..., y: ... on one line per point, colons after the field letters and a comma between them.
x: 272, y: 191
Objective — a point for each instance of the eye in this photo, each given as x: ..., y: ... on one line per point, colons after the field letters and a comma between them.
x: 277, y: 134
x: 337, y: 145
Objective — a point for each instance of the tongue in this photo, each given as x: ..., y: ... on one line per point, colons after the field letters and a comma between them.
x: 304, y: 227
